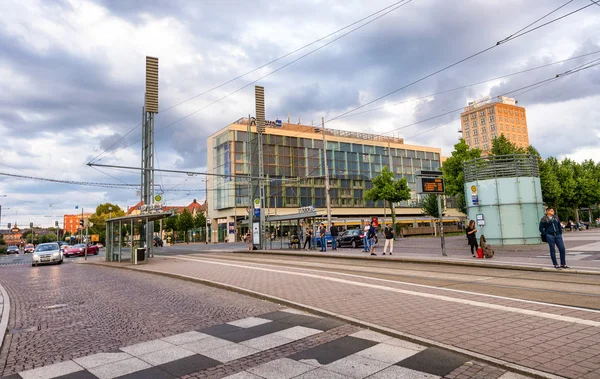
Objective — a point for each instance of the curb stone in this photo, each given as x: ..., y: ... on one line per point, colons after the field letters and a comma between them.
x: 5, y: 313
x: 350, y: 320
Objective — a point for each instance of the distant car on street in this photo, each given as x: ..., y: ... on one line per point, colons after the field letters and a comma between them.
x: 12, y: 250
x: 29, y: 248
x: 158, y: 242
x: 100, y: 246
x: 46, y: 253
x: 352, y: 237
x: 328, y: 239
x: 79, y: 250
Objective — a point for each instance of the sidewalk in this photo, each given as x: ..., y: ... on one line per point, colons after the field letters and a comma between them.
x: 4, y: 313
x: 535, y: 338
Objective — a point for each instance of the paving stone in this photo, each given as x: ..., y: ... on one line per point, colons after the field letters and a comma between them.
x: 243, y: 375
x: 116, y: 369
x: 74, y: 375
x: 266, y: 342
x: 387, y: 353
x: 189, y: 365
x: 219, y: 330
x: 146, y: 347
x: 370, y: 335
x: 51, y: 371
x: 299, y: 320
x: 513, y: 375
x: 167, y: 355
x: 356, y: 366
x: 295, y: 311
x: 321, y: 373
x: 101, y: 359
x: 324, y: 324
x: 206, y: 344
x: 183, y: 338
x: 333, y: 350
x: 396, y: 372
x: 249, y: 322
x: 152, y: 372
x: 280, y: 369
x: 434, y: 361
x: 297, y: 332
x: 254, y: 332
x: 230, y: 352
x: 405, y: 344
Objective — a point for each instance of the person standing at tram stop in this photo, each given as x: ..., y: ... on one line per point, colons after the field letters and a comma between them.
x: 388, y: 233
x: 334, y: 235
x: 322, y: 232
x: 471, y: 232
x: 550, y: 227
x: 365, y: 239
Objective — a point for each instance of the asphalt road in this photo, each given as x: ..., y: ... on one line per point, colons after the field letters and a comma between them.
x: 25, y: 259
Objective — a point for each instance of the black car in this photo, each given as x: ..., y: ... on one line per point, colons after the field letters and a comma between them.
x: 352, y: 237
x: 158, y: 242
x: 12, y: 250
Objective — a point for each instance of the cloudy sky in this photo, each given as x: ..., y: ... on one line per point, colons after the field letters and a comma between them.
x: 72, y: 81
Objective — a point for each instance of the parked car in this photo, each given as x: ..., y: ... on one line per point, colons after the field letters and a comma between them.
x: 158, y: 242
x: 79, y: 250
x: 327, y: 238
x: 100, y: 246
x: 47, y: 253
x: 352, y: 237
x: 29, y: 248
x: 12, y: 250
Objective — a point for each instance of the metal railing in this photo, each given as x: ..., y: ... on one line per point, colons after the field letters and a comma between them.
x: 501, y: 166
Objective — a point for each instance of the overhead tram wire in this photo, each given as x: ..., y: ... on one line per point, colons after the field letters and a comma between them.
x: 513, y: 36
x: 470, y: 85
x: 72, y: 182
x: 272, y: 72
x: 528, y: 88
x: 395, y: 5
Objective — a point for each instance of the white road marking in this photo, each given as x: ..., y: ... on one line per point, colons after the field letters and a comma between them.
x: 414, y: 293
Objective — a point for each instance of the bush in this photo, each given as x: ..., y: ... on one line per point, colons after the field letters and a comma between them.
x: 2, y: 250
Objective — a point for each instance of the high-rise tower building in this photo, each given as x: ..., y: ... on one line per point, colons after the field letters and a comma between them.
x: 485, y: 120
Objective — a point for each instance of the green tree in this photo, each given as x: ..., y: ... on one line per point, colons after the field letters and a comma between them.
x: 429, y: 204
x: 98, y: 219
x: 170, y: 223
x: 565, y: 174
x: 185, y: 222
x: 551, y: 188
x: 200, y: 224
x: 386, y: 188
x: 502, y: 146
x: 453, y: 172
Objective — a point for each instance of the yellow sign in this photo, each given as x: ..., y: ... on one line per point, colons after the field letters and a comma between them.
x: 473, y: 189
x: 95, y: 237
x: 157, y: 198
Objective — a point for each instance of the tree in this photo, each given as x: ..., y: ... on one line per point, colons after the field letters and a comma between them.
x: 185, y: 222
x: 98, y: 219
x: 551, y: 188
x: 200, y: 224
x: 502, y: 146
x: 386, y: 188
x: 170, y: 223
x: 429, y: 204
x: 453, y: 172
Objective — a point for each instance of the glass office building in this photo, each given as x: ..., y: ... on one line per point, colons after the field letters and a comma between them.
x: 295, y: 171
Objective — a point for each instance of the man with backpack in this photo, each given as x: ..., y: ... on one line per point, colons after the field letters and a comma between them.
x: 371, y: 238
x: 389, y: 239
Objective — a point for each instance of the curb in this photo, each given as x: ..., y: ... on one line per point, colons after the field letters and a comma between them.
x: 415, y: 260
x: 5, y: 314
x: 381, y: 329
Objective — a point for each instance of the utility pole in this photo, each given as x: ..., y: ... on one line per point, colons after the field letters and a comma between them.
x: 439, y: 199
x: 394, y: 177
x: 327, y: 197
x: 87, y: 224
x: 81, y: 231
x: 259, y: 95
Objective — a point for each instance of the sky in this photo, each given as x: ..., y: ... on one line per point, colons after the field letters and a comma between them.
x: 72, y: 79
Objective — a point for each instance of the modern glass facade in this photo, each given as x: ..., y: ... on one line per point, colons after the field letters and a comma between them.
x: 294, y: 167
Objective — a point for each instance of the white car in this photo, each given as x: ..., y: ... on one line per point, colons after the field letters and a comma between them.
x: 47, y: 253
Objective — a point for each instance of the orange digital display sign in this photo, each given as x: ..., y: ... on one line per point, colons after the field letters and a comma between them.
x: 433, y: 185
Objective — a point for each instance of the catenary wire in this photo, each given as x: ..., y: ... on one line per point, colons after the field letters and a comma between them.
x: 387, y: 10
x: 457, y: 63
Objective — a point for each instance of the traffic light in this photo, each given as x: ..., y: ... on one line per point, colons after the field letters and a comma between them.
x: 81, y: 222
x: 31, y: 225
x: 56, y: 223
x: 9, y: 225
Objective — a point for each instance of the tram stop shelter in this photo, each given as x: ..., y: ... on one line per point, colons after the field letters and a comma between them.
x: 130, y: 238
x: 284, y: 226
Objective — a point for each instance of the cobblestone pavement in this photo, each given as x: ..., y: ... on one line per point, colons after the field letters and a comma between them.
x: 72, y: 310
x: 547, y: 338
x: 278, y: 345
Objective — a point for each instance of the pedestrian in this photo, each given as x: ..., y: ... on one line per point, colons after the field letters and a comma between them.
x: 248, y: 239
x: 334, y: 235
x: 471, y: 232
x: 322, y: 232
x: 307, y: 238
x: 551, y: 230
x: 389, y: 239
x: 371, y: 238
x: 365, y: 233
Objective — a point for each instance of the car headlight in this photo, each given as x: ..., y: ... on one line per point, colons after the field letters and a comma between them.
x: 56, y: 255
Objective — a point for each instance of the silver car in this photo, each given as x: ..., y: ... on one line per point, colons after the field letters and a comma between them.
x: 47, y: 253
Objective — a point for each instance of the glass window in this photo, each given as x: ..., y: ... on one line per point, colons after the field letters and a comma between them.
x: 473, y: 116
x: 483, y: 121
x: 491, y: 111
x: 410, y: 153
x: 466, y: 118
x: 475, y: 132
x: 482, y: 113
x: 475, y: 123
x: 491, y: 118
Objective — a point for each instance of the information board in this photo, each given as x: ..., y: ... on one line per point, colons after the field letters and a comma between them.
x: 432, y: 185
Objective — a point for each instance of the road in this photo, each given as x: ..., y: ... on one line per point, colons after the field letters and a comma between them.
x: 25, y: 259
x: 86, y: 320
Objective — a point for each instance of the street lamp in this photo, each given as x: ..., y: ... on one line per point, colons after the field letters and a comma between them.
x: 327, y: 197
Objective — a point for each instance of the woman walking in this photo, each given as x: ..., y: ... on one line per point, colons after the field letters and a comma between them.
x: 472, y: 238
x: 307, y: 238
